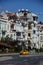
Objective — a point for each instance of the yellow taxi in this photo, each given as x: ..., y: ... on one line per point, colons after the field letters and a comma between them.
x: 24, y: 52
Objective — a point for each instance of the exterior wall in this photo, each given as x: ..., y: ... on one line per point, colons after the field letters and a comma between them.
x: 24, y: 25
x: 34, y: 35
x: 41, y: 40
x: 40, y: 33
x: 20, y: 30
x: 3, y: 27
x: 33, y: 38
x: 33, y: 32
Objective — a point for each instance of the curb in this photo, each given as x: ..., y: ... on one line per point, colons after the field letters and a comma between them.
x: 12, y: 54
x: 32, y: 55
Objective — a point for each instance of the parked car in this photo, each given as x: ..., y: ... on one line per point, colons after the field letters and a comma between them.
x: 24, y: 52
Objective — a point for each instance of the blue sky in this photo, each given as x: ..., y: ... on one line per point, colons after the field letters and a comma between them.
x: 35, y: 6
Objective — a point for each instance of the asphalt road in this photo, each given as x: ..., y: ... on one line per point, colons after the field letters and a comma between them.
x: 21, y: 60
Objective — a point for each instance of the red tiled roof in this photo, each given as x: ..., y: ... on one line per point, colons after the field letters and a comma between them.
x: 10, y: 14
x: 1, y: 15
x: 41, y: 26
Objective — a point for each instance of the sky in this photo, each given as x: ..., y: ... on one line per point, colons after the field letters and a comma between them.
x: 35, y: 6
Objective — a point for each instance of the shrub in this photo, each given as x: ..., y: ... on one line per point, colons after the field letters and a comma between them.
x: 3, y: 40
x: 41, y: 49
x: 18, y: 48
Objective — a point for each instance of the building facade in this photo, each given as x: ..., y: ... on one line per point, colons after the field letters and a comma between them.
x: 23, y: 27
x: 40, y: 34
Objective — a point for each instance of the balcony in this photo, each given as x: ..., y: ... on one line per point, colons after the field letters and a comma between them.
x: 30, y: 30
x: 29, y: 38
x: 20, y: 38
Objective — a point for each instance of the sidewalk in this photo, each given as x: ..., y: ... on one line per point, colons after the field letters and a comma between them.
x: 8, y: 54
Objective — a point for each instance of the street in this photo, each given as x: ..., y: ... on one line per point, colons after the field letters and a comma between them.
x: 21, y: 60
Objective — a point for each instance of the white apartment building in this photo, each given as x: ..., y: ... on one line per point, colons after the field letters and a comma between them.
x: 31, y: 37
x: 32, y: 31
x: 3, y: 26
x: 34, y: 35
x: 22, y: 16
x: 12, y: 18
x: 22, y: 27
x: 40, y: 34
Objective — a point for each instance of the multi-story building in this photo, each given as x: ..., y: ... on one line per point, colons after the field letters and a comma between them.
x: 3, y: 25
x: 23, y: 27
x: 22, y: 16
x: 35, y: 30
x: 11, y: 32
x: 29, y: 21
x: 40, y: 34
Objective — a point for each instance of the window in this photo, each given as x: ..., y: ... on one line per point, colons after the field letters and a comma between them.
x: 12, y: 26
x: 14, y: 34
x: 40, y: 30
x: 3, y: 26
x: 3, y: 33
x: 34, y: 18
x: 33, y: 31
x: 11, y: 36
x: 34, y: 25
x: 23, y: 36
x: 41, y: 38
x: 25, y: 14
x: 42, y: 45
x: 29, y: 34
x: 29, y: 42
x: 25, y: 18
x: 18, y: 33
x: 11, y: 17
x: 29, y: 26
x: 23, y: 24
x: 34, y: 44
